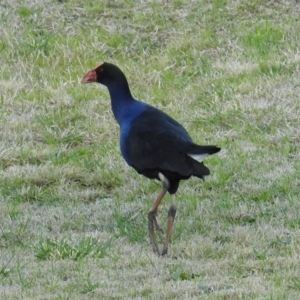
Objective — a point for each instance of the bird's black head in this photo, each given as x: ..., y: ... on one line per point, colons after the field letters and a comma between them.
x: 110, y: 76
x: 106, y: 74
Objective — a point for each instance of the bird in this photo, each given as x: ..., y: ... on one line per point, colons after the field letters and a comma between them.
x: 154, y: 144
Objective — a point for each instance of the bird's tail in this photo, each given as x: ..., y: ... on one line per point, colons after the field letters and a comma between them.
x: 198, y: 154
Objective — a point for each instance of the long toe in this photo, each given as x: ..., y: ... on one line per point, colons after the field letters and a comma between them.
x: 154, y: 244
x: 152, y: 234
x: 158, y: 229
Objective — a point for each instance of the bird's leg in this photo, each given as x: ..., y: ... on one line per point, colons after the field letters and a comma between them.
x: 171, y: 218
x: 152, y: 218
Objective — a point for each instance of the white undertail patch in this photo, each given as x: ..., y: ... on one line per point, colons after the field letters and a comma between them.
x: 198, y: 157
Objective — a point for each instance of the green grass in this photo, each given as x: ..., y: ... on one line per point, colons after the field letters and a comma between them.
x: 73, y: 215
x: 48, y: 249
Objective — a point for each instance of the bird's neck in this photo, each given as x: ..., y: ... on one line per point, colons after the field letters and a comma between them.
x: 125, y: 108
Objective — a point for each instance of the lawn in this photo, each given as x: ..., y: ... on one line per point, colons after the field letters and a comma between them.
x: 73, y: 215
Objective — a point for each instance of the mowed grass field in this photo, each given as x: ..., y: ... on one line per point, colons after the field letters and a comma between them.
x: 73, y: 215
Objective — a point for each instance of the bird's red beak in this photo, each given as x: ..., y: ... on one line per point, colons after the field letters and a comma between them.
x: 89, y: 77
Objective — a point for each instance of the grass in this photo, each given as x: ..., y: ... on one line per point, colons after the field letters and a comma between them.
x: 73, y: 215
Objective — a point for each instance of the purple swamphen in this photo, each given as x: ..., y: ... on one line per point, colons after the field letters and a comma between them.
x: 152, y: 143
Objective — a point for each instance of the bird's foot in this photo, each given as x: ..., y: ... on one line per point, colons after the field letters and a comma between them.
x: 151, y: 224
x: 164, y: 251
x: 159, y: 230
x: 155, y: 228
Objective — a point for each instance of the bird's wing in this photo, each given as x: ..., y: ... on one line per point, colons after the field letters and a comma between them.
x: 156, y: 141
